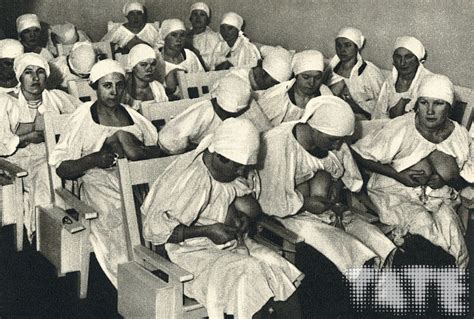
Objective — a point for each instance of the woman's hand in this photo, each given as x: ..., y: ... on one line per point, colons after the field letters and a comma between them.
x: 435, y: 181
x: 34, y: 137
x: 104, y: 158
x: 220, y: 233
x: 224, y: 66
x: 410, y: 177
x: 399, y: 108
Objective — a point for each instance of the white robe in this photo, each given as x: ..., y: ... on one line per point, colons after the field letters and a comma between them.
x: 205, y: 42
x: 158, y: 91
x: 13, y: 112
x: 100, y: 187
x: 190, y: 65
x: 365, y: 87
x: 389, y: 96
x: 120, y: 35
x: 400, y: 145
x: 224, y: 279
x: 286, y: 165
x: 242, y: 54
x: 277, y: 106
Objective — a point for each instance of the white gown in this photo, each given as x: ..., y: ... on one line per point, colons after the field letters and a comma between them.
x: 242, y: 54
x: 120, y: 35
x: 205, y: 42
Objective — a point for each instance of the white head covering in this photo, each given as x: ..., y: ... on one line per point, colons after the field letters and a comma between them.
x: 104, y: 67
x: 437, y: 86
x: 233, y: 19
x: 171, y: 25
x: 82, y: 57
x: 139, y: 53
x: 65, y: 33
x: 412, y: 44
x: 308, y: 60
x: 132, y: 6
x: 232, y: 93
x: 330, y: 115
x: 26, y: 21
x: 237, y: 140
x: 26, y: 59
x: 200, y: 6
x: 10, y: 48
x: 277, y: 63
x: 353, y: 34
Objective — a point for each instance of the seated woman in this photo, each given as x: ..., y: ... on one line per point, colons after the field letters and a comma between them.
x: 204, y: 39
x: 399, y: 92
x: 9, y: 50
x: 29, y: 32
x: 420, y: 199
x: 187, y: 208
x: 74, y: 66
x: 136, y: 30
x: 305, y: 163
x: 65, y: 34
x: 141, y: 85
x: 99, y: 133
x: 287, y: 101
x: 356, y: 81
x: 21, y: 131
x: 233, y: 49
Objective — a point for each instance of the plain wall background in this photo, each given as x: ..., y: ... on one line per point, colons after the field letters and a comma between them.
x: 445, y: 27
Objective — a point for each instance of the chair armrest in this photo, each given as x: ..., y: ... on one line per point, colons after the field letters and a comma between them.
x: 274, y: 227
x: 57, y: 216
x: 84, y: 210
x: 467, y: 197
x: 12, y: 169
x: 156, y: 261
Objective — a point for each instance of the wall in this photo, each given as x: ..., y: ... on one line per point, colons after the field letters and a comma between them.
x: 444, y: 26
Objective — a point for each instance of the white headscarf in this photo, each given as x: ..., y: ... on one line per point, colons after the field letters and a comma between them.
x: 26, y: 21
x: 353, y: 34
x: 82, y: 57
x: 65, y: 33
x: 308, y: 60
x: 237, y: 140
x: 412, y: 44
x: 330, y: 115
x: 104, y: 67
x: 10, y: 48
x: 437, y: 86
x: 171, y: 25
x: 277, y: 63
x: 26, y: 59
x: 139, y: 53
x: 232, y: 93
x: 133, y: 6
x: 200, y: 6
x: 233, y: 19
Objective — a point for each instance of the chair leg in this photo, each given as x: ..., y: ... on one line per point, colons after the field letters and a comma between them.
x: 18, y: 196
x: 86, y: 249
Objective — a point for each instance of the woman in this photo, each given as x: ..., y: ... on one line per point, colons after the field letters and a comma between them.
x: 9, y: 50
x: 353, y: 79
x: 419, y: 160
x: 29, y: 32
x: 233, y: 49
x: 136, y: 30
x: 287, y: 101
x: 99, y: 133
x: 141, y: 85
x: 21, y: 129
x: 399, y: 92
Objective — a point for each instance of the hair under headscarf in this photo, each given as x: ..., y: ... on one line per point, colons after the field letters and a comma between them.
x: 277, y: 63
x: 437, y: 86
x: 308, y: 60
x: 233, y: 19
x: 133, y: 6
x: 139, y: 53
x: 104, y: 67
x: 171, y: 25
x: 26, y: 21
x: 10, y: 48
x: 27, y: 59
x: 353, y: 34
x: 237, y: 140
x: 82, y: 57
x: 232, y: 93
x: 330, y: 115
x: 413, y: 45
x: 200, y: 6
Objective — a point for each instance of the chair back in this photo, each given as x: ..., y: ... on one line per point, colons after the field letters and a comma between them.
x: 463, y: 107
x: 82, y: 90
x: 194, y: 85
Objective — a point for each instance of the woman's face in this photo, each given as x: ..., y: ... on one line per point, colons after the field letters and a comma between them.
x: 136, y: 19
x: 110, y: 89
x: 145, y: 70
x: 6, y: 70
x: 226, y: 170
x: 199, y: 19
x: 326, y: 142
x: 405, y: 61
x: 175, y: 40
x: 432, y: 113
x: 31, y: 37
x: 33, y: 79
x: 229, y: 33
x: 346, y: 50
x: 308, y: 82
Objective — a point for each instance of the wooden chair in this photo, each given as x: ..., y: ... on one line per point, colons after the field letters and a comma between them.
x: 82, y: 90
x: 11, y: 182
x: 194, y: 85
x: 103, y: 49
x: 61, y: 238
